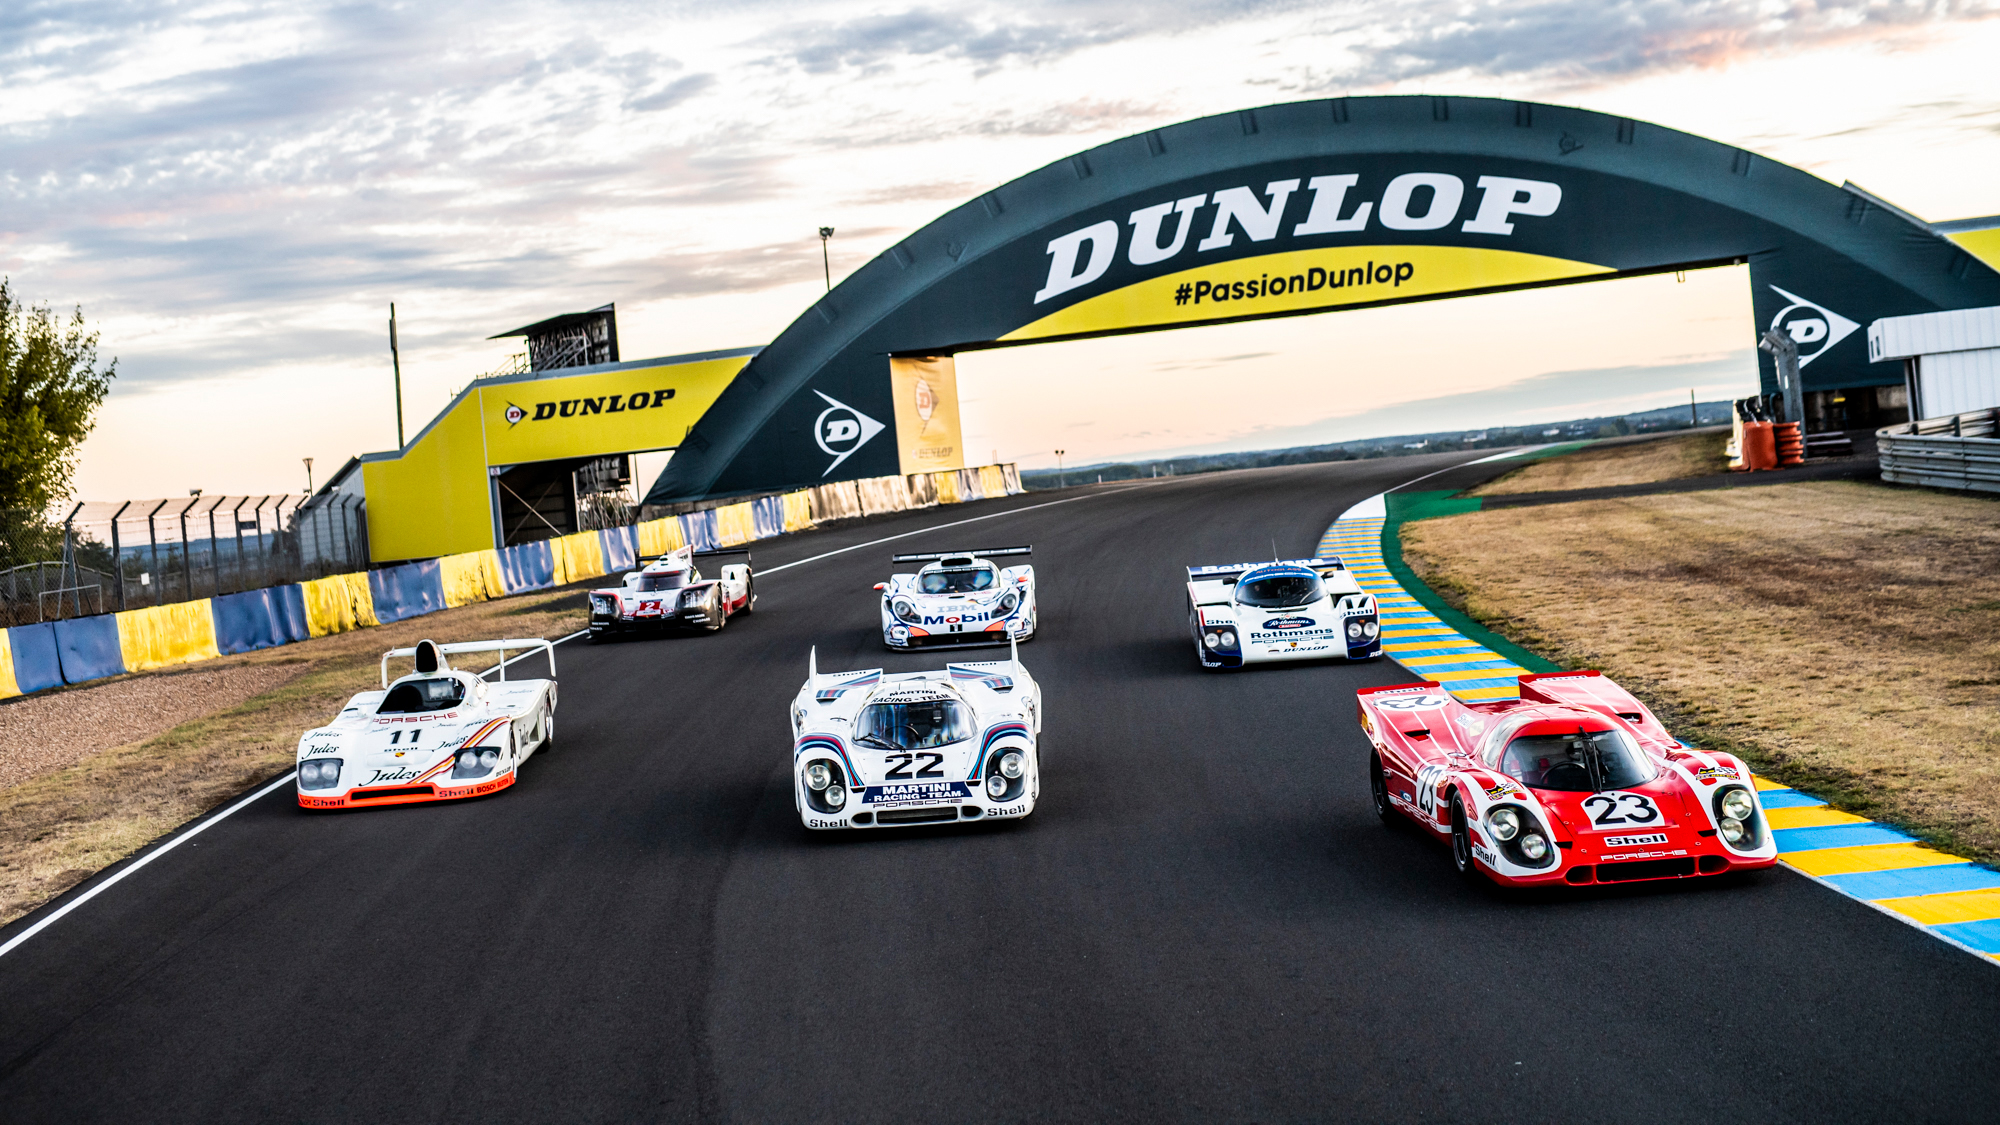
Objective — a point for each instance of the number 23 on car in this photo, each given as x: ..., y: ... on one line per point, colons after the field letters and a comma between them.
x: 1576, y: 782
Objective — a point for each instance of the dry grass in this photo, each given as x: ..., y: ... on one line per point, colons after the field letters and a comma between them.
x: 1616, y: 462
x: 1844, y: 637
x: 63, y: 826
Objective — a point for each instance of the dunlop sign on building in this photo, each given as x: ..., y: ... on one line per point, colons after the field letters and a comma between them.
x: 440, y: 494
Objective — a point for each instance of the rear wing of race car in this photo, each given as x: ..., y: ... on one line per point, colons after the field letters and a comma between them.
x: 1230, y: 572
x: 979, y: 552
x: 744, y: 551
x: 430, y: 655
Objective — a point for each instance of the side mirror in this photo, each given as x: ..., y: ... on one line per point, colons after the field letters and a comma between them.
x: 881, y: 586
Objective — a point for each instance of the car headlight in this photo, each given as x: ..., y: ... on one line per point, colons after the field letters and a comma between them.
x: 468, y: 760
x: 320, y: 773
x: 1506, y: 823
x: 1737, y: 804
x: 996, y: 786
x: 1534, y: 846
x: 818, y: 777
x: 1011, y: 763
x: 836, y: 795
x: 1370, y: 627
x: 1008, y: 601
x: 1354, y: 630
x: 1229, y: 638
x: 903, y: 608
x: 1732, y: 830
x: 1212, y: 640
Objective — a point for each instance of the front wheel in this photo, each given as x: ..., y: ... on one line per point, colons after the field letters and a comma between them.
x: 1378, y: 788
x: 749, y: 595
x: 716, y: 611
x: 1461, y: 843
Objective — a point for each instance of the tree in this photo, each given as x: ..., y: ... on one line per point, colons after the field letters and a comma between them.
x: 50, y: 388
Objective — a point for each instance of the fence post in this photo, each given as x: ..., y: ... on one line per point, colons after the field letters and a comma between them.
x: 346, y: 541
x: 214, y: 557
x: 153, y: 539
x: 236, y: 521
x: 187, y: 556
x: 118, y: 556
x: 69, y: 562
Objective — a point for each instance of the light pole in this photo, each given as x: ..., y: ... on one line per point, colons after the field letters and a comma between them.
x: 825, y: 262
x: 396, y: 362
x: 309, y: 474
x: 1060, y: 475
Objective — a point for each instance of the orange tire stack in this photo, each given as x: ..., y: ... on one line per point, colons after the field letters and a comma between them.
x: 1760, y: 446
x: 1791, y: 443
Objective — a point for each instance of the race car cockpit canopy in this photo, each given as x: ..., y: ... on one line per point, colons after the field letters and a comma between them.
x: 1280, y: 587
x: 913, y: 722
x: 942, y: 578
x: 417, y: 696
x: 650, y: 580
x: 1567, y: 756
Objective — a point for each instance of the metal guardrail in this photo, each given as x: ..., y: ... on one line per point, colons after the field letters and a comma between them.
x: 1959, y: 451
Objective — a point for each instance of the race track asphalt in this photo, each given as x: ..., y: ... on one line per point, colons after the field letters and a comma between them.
x: 1202, y: 920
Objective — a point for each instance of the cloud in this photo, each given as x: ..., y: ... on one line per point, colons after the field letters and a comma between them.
x: 872, y: 43
x: 673, y: 93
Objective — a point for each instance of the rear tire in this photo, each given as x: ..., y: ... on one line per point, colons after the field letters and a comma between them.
x: 1378, y: 789
x: 749, y: 595
x: 716, y: 611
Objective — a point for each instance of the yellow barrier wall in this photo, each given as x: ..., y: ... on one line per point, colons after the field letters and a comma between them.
x: 992, y: 481
x: 471, y: 577
x: 577, y: 557
x: 947, y: 487
x: 657, y: 537
x: 337, y: 604
x: 798, y: 511
x: 734, y: 525
x: 9, y: 686
x: 167, y: 634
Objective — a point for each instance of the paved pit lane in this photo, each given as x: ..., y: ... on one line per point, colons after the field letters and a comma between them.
x: 1201, y: 921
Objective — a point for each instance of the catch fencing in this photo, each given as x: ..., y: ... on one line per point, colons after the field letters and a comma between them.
x: 70, y: 648
x: 1959, y: 451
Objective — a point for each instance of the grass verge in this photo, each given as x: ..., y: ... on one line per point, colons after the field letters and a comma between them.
x: 1842, y: 637
x: 1608, y: 463
x: 59, y: 829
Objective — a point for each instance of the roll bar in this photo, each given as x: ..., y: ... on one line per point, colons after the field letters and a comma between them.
x: 526, y: 644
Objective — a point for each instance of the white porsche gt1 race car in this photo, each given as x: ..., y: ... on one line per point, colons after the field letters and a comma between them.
x: 435, y: 735
x: 961, y: 599
x: 670, y: 592
x: 1296, y: 609
x: 876, y: 751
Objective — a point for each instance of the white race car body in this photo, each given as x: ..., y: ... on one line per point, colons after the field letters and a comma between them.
x: 435, y: 735
x: 960, y: 599
x: 873, y: 751
x: 1294, y: 609
x: 671, y: 592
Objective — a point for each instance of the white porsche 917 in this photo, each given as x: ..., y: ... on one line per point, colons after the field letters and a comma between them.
x: 876, y: 751
x: 672, y: 593
x: 1295, y: 609
x: 959, y: 599
x: 435, y: 735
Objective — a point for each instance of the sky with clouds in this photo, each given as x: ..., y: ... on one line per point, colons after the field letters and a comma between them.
x: 235, y: 191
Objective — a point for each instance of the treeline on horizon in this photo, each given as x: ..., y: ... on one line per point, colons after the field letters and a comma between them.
x: 1663, y: 420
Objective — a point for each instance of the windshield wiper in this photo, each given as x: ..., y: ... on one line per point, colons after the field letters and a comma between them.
x: 871, y: 740
x: 1593, y: 760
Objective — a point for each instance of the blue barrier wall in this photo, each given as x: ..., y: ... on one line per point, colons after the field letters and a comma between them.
x: 37, y: 665
x: 410, y: 590
x: 698, y: 528
x: 88, y: 648
x: 259, y: 619
x: 529, y: 566
x: 621, y: 549
x: 768, y: 516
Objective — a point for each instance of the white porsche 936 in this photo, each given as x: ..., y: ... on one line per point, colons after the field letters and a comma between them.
x: 437, y: 734
x: 1289, y: 609
x: 876, y: 751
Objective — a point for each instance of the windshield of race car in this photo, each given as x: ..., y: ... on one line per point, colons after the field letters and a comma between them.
x: 1584, y: 762
x: 914, y: 726
x: 1278, y: 591
x: 412, y: 697
x: 965, y: 580
x: 671, y: 580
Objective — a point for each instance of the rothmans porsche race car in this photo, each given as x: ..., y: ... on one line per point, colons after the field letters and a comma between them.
x: 1576, y: 782
x: 876, y: 751
x: 959, y: 598
x: 1295, y: 609
x: 437, y: 734
x: 671, y: 593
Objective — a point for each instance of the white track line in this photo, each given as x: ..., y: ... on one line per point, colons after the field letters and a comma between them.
x: 205, y: 825
x: 142, y: 861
